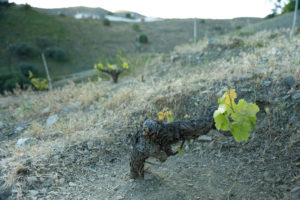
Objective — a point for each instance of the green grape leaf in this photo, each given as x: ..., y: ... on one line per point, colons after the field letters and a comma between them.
x: 222, y: 122
x: 189, y: 141
x: 239, y: 118
x: 240, y: 131
x: 180, y: 151
x: 170, y: 118
x: 253, y: 109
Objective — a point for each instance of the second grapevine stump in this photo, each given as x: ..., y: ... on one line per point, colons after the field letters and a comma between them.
x: 155, y: 139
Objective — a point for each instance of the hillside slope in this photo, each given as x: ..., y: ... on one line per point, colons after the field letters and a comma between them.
x: 72, y: 11
x: 84, y: 41
x: 84, y: 153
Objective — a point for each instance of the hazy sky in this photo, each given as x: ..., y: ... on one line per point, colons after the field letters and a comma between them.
x: 169, y: 8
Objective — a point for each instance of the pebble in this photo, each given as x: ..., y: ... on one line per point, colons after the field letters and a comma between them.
x: 72, y: 184
x: 289, y: 81
x: 296, y: 96
x: 295, y: 193
x: 205, y: 138
x: 67, y: 108
x: 20, y: 128
x: 46, y: 110
x: 33, y: 192
x: 267, y: 83
x: 24, y: 142
x: 51, y: 120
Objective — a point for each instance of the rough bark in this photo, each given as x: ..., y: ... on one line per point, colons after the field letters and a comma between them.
x: 113, y: 73
x: 155, y: 139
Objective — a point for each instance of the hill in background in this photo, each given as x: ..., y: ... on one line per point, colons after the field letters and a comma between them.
x: 84, y: 41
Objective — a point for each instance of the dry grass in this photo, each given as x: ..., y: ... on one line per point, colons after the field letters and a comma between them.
x: 104, y: 111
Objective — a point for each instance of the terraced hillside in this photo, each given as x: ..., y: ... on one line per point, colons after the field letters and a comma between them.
x: 74, y: 142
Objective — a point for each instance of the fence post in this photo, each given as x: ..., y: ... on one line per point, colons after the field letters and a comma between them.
x: 47, y: 71
x: 294, y: 21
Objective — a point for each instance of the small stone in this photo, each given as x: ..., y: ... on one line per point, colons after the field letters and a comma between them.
x: 20, y: 128
x: 289, y: 81
x: 285, y: 97
x: 86, y: 151
x: 119, y: 197
x: 90, y: 145
x: 205, y: 138
x: 173, y: 58
x: 46, y: 110
x: 246, y: 90
x: 24, y: 142
x: 33, y: 192
x: 212, y: 42
x: 295, y: 193
x: 76, y: 104
x: 61, y: 181
x: 296, y: 96
x: 205, y: 92
x: 32, y: 179
x: 67, y: 108
x: 51, y: 120
x: 72, y: 184
x: 267, y: 83
x: 5, y: 194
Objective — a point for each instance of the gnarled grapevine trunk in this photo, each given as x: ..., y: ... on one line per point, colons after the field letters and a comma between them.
x: 155, y: 139
x: 114, y: 73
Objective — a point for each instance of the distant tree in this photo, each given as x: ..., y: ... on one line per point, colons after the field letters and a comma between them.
x: 106, y: 22
x: 128, y: 15
x: 290, y: 6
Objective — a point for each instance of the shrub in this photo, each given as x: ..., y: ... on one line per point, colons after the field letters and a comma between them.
x: 43, y: 42
x: 27, y: 6
x: 218, y: 28
x: 290, y: 7
x: 202, y: 21
x: 9, y: 81
x: 23, y: 50
x: 24, y: 68
x: 136, y: 27
x: 143, y: 38
x: 106, y: 22
x: 55, y: 53
x: 128, y: 15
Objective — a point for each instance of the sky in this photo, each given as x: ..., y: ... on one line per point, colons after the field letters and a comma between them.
x: 214, y: 9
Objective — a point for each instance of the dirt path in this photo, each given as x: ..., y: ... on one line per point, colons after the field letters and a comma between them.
x: 204, y: 171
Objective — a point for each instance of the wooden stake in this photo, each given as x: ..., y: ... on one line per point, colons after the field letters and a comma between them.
x: 295, y: 19
x: 47, y: 71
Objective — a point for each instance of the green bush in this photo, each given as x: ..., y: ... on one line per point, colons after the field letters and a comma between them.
x: 202, y: 21
x: 136, y: 27
x: 27, y: 6
x: 23, y: 50
x: 128, y: 15
x: 106, y: 22
x: 143, y: 38
x: 24, y: 68
x: 43, y: 42
x: 9, y: 81
x: 290, y: 7
x: 55, y: 53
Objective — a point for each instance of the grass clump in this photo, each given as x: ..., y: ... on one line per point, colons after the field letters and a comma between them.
x: 136, y: 27
x: 56, y: 54
x: 106, y: 22
x: 22, y: 49
x: 143, y: 39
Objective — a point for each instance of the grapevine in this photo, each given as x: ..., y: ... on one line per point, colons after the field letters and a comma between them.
x: 239, y: 118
